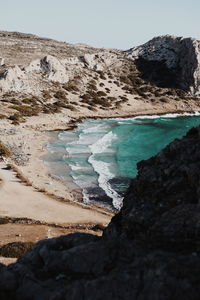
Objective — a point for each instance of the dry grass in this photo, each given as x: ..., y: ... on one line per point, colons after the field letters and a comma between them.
x: 4, y: 150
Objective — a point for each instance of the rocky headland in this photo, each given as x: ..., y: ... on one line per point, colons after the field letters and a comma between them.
x: 150, y: 250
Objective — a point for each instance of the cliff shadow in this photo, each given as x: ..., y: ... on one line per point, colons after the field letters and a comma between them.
x: 158, y: 73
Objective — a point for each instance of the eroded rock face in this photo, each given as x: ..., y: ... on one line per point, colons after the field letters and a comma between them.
x: 33, y: 77
x: 150, y: 250
x: 176, y: 55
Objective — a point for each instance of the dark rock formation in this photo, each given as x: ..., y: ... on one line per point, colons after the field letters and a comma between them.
x: 169, y: 61
x: 150, y: 250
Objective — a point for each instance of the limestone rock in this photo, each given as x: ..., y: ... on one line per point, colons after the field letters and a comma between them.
x: 12, y: 79
x: 180, y: 55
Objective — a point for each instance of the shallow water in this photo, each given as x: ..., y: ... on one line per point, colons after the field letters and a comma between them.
x: 101, y: 155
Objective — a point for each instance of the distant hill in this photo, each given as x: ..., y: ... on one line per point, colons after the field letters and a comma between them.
x: 48, y: 76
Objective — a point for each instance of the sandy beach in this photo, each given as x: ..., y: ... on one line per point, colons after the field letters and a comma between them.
x: 18, y: 200
x: 28, y: 142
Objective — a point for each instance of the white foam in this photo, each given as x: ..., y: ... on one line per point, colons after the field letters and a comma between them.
x: 95, y: 128
x: 172, y: 115
x: 79, y: 167
x: 103, y: 168
x: 103, y: 144
x: 85, y: 139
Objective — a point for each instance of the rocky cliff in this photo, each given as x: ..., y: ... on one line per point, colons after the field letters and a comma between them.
x: 149, y: 251
x: 170, y: 61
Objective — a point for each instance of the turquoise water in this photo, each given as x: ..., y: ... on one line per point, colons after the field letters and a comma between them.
x: 101, y: 155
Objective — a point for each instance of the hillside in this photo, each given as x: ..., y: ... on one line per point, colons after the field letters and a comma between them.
x: 39, y: 75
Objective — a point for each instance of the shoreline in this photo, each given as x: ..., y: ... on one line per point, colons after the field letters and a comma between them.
x: 170, y: 114
x: 45, y: 210
x: 36, y: 137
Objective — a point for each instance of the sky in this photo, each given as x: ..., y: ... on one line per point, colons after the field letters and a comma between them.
x: 118, y: 24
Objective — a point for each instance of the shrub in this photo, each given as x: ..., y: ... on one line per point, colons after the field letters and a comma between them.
x: 71, y: 86
x: 2, y: 116
x: 46, y: 110
x: 4, y: 150
x: 124, y: 79
x: 15, y: 117
x: 15, y: 249
x: 70, y: 107
x: 92, y: 108
x: 101, y: 94
x: 86, y: 97
x: 92, y: 87
x: 164, y: 100
x: 102, y: 76
x: 29, y: 101
x: 46, y: 95
x: 59, y: 104
x: 25, y: 110
x: 60, y: 95
x: 123, y: 98
x: 113, y: 99
x: 92, y: 82
x: 14, y: 101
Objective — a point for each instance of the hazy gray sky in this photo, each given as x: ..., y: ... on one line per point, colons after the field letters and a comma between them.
x: 103, y: 23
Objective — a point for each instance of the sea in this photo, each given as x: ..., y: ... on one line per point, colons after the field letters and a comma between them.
x: 101, y: 156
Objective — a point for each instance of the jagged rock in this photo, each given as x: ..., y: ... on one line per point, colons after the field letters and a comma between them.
x: 99, y: 61
x: 29, y: 79
x: 180, y: 57
x: 150, y: 250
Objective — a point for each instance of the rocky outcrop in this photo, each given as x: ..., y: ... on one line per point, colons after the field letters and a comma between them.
x: 34, y: 77
x: 170, y: 62
x: 13, y: 79
x: 149, y: 251
x: 51, y: 66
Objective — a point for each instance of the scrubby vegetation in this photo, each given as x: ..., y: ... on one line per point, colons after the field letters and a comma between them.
x: 2, y: 116
x: 72, y: 85
x: 15, y: 249
x: 4, y: 150
x: 60, y: 95
x: 25, y: 110
x: 133, y: 79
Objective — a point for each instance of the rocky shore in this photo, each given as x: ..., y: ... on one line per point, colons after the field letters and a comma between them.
x: 150, y: 250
